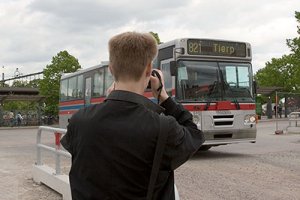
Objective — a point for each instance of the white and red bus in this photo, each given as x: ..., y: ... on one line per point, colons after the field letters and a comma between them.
x: 213, y: 79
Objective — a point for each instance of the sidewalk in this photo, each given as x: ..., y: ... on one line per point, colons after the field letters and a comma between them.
x: 265, y: 119
x: 26, y: 127
x: 18, y: 127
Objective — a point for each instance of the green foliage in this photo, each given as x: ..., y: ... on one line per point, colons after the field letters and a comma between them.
x: 18, y: 83
x: 285, y: 71
x: 155, y: 35
x: 34, y: 83
x: 20, y: 105
x: 28, y: 84
x: 63, y: 62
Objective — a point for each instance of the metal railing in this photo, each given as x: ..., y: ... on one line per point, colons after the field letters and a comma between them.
x: 294, y: 122
x: 294, y: 117
x: 57, y: 150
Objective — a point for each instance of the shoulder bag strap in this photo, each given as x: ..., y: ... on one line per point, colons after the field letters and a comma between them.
x: 161, y: 142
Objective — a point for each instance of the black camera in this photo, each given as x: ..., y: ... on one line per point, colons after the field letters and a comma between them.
x: 156, y: 74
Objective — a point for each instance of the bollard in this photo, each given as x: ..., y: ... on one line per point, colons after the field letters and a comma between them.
x: 57, y: 147
x: 57, y: 139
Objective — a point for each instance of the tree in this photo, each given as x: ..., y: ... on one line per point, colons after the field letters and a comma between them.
x: 285, y: 71
x: 63, y: 62
x: 294, y: 45
x: 34, y: 83
x: 18, y: 83
x: 155, y: 35
x: 276, y: 73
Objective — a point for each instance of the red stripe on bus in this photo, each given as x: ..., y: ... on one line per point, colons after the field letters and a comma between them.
x: 68, y: 103
x: 148, y: 94
x: 67, y: 112
x: 201, y: 107
x: 98, y: 100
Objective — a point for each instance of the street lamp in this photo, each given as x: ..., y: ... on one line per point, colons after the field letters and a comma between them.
x: 17, y: 73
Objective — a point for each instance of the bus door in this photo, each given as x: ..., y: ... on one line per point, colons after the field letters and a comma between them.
x: 88, y: 91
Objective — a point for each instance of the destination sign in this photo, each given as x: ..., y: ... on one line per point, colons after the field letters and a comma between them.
x: 216, y: 48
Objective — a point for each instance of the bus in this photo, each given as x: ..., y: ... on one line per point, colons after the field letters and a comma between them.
x: 81, y: 89
x: 213, y: 79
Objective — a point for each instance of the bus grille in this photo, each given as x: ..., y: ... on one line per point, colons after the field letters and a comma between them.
x: 223, y: 120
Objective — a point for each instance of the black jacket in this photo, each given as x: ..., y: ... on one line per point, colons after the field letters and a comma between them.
x: 113, y: 144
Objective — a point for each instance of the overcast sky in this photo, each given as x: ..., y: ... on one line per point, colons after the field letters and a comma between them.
x: 33, y: 31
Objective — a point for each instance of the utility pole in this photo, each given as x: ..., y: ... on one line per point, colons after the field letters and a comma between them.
x: 2, y: 76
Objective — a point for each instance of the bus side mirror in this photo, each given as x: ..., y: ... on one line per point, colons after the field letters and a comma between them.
x: 173, y: 68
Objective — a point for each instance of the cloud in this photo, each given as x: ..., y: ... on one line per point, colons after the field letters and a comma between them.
x: 81, y: 15
x: 33, y: 31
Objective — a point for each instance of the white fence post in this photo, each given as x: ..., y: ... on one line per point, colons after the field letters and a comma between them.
x: 42, y: 173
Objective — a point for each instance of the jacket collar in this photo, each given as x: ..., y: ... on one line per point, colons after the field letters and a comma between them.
x: 121, y: 95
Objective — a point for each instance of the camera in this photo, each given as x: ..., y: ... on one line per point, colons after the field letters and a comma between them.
x: 156, y: 74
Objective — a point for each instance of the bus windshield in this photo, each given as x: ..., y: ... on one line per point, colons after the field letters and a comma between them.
x: 214, y: 81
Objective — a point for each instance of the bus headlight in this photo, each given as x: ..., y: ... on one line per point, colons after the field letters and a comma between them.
x: 197, y: 120
x: 250, y: 119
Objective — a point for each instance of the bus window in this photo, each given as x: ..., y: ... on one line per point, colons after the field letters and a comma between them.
x: 98, y: 84
x: 80, y: 87
x: 72, y: 88
x: 236, y: 81
x: 64, y: 90
x: 237, y: 76
x: 165, y: 68
x: 109, y: 79
x: 231, y: 77
x: 243, y: 76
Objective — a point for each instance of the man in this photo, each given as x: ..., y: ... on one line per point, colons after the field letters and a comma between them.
x: 113, y: 143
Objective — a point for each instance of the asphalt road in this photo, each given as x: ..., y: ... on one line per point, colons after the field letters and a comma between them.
x: 268, y: 169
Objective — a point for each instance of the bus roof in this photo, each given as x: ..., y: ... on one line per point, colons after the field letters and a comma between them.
x: 81, y: 71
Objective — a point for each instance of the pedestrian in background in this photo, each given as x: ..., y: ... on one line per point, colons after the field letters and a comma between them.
x: 280, y: 110
x: 11, y: 118
x: 19, y: 119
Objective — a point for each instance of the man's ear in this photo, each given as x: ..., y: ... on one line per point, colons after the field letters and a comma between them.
x: 148, y: 69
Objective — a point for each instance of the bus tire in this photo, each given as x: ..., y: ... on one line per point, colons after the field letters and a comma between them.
x: 205, y: 148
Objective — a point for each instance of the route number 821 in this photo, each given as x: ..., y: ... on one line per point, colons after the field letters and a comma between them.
x: 194, y: 47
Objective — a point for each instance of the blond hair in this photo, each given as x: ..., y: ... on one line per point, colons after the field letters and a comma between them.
x: 130, y: 53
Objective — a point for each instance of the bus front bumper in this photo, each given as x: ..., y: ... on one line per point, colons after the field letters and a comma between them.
x: 228, y: 141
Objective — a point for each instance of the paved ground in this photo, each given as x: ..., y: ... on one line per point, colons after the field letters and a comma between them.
x: 17, y: 155
x: 269, y: 169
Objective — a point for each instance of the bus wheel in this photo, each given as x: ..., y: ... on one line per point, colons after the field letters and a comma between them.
x: 204, y: 148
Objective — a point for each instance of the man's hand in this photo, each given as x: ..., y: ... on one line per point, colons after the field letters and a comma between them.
x: 155, y: 85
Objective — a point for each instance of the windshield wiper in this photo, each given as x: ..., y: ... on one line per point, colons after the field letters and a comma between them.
x: 237, y: 105
x: 210, y: 91
x: 235, y: 101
